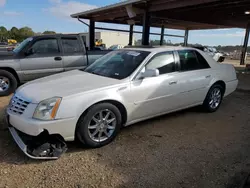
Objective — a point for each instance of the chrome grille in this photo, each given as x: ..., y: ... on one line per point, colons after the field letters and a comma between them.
x: 17, y: 105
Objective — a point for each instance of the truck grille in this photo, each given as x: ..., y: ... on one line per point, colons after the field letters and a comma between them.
x: 17, y: 105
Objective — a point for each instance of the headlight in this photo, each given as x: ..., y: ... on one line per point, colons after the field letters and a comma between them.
x: 47, y: 109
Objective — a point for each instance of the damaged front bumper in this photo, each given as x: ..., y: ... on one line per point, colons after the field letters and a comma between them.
x: 43, y: 146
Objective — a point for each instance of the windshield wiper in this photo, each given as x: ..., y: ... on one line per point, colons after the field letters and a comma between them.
x: 93, y: 72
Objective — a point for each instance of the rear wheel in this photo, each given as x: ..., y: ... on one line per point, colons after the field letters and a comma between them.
x: 8, y: 83
x: 213, y: 98
x: 99, y: 126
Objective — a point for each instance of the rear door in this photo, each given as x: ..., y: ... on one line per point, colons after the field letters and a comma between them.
x: 193, y: 79
x: 74, y: 56
x: 43, y: 58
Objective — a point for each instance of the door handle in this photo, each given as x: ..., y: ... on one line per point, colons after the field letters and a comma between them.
x: 208, y: 76
x: 172, y: 82
x: 57, y: 58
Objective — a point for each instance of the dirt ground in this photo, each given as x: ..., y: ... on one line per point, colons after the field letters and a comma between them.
x: 184, y: 149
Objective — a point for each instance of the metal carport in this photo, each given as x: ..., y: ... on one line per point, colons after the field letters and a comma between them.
x: 174, y: 14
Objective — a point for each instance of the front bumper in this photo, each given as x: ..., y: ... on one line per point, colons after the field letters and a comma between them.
x: 33, y: 127
x: 42, y: 146
x: 37, y: 152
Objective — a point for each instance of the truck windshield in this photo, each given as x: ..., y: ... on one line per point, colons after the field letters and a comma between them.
x: 117, y: 64
x: 22, y: 45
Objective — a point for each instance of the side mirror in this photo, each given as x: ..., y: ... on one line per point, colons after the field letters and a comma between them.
x: 150, y: 73
x: 29, y: 52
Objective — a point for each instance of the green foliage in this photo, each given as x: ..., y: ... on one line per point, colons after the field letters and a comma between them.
x: 26, y: 32
x: 49, y: 32
x: 14, y: 33
x: 3, y: 33
x: 18, y: 34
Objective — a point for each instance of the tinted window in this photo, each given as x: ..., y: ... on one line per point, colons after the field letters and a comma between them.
x: 164, y: 62
x: 22, y: 45
x: 189, y: 60
x: 70, y: 45
x: 203, y: 63
x: 117, y: 64
x: 45, y: 46
x: 84, y: 38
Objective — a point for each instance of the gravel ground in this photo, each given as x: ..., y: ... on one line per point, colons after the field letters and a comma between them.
x: 184, y: 149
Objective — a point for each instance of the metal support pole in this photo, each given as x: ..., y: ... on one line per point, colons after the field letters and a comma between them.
x: 244, y: 47
x: 91, y: 35
x: 162, y: 35
x: 146, y: 28
x: 82, y: 22
x: 186, y: 37
x: 131, y: 31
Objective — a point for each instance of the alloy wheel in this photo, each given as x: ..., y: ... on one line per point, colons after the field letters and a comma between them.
x: 102, y: 125
x: 4, y: 83
x: 215, y: 98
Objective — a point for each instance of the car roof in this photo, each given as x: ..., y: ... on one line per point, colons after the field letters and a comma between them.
x: 158, y: 49
x: 53, y: 35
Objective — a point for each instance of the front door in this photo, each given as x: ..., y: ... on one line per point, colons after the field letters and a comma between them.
x: 42, y: 58
x: 155, y: 95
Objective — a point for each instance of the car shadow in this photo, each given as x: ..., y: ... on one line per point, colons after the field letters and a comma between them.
x: 10, y: 152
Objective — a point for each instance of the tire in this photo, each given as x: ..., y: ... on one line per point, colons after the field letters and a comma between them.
x: 83, y: 131
x: 11, y: 81
x: 208, y: 100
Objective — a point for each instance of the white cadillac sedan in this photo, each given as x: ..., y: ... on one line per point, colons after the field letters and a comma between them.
x: 121, y: 88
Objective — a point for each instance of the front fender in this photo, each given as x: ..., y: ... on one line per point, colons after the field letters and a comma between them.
x: 74, y: 106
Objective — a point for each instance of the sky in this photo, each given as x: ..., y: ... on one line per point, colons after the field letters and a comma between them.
x: 54, y: 15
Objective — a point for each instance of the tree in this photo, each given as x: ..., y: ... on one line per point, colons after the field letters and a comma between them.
x: 3, y: 33
x: 14, y: 33
x: 25, y: 32
x: 49, y: 32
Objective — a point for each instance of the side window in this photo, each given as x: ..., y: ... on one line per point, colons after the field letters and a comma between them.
x: 70, y: 45
x: 164, y: 62
x: 203, y: 63
x: 84, y: 38
x: 45, y: 46
x: 189, y: 60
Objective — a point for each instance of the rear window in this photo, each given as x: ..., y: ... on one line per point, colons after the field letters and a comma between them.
x: 191, y: 60
x: 203, y: 62
x: 70, y: 45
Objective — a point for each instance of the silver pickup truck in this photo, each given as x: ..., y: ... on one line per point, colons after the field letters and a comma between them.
x: 41, y: 56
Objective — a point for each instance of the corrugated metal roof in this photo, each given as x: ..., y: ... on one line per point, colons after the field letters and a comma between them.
x: 120, y: 4
x: 174, y: 14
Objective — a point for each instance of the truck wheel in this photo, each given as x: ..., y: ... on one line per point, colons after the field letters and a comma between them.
x: 8, y: 83
x: 99, y: 126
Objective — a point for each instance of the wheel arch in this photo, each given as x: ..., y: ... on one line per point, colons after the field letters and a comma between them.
x: 221, y: 83
x: 116, y: 103
x: 12, y: 71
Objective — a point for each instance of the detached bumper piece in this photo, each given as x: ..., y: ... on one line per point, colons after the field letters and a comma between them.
x: 43, y: 146
x: 221, y: 59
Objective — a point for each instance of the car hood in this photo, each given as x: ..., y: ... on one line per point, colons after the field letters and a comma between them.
x: 62, y: 85
x: 6, y: 55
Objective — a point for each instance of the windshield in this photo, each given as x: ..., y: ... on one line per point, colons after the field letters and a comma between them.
x: 117, y: 64
x: 22, y: 44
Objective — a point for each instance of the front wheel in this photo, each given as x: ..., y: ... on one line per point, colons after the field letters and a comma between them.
x: 99, y: 126
x: 214, y: 98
